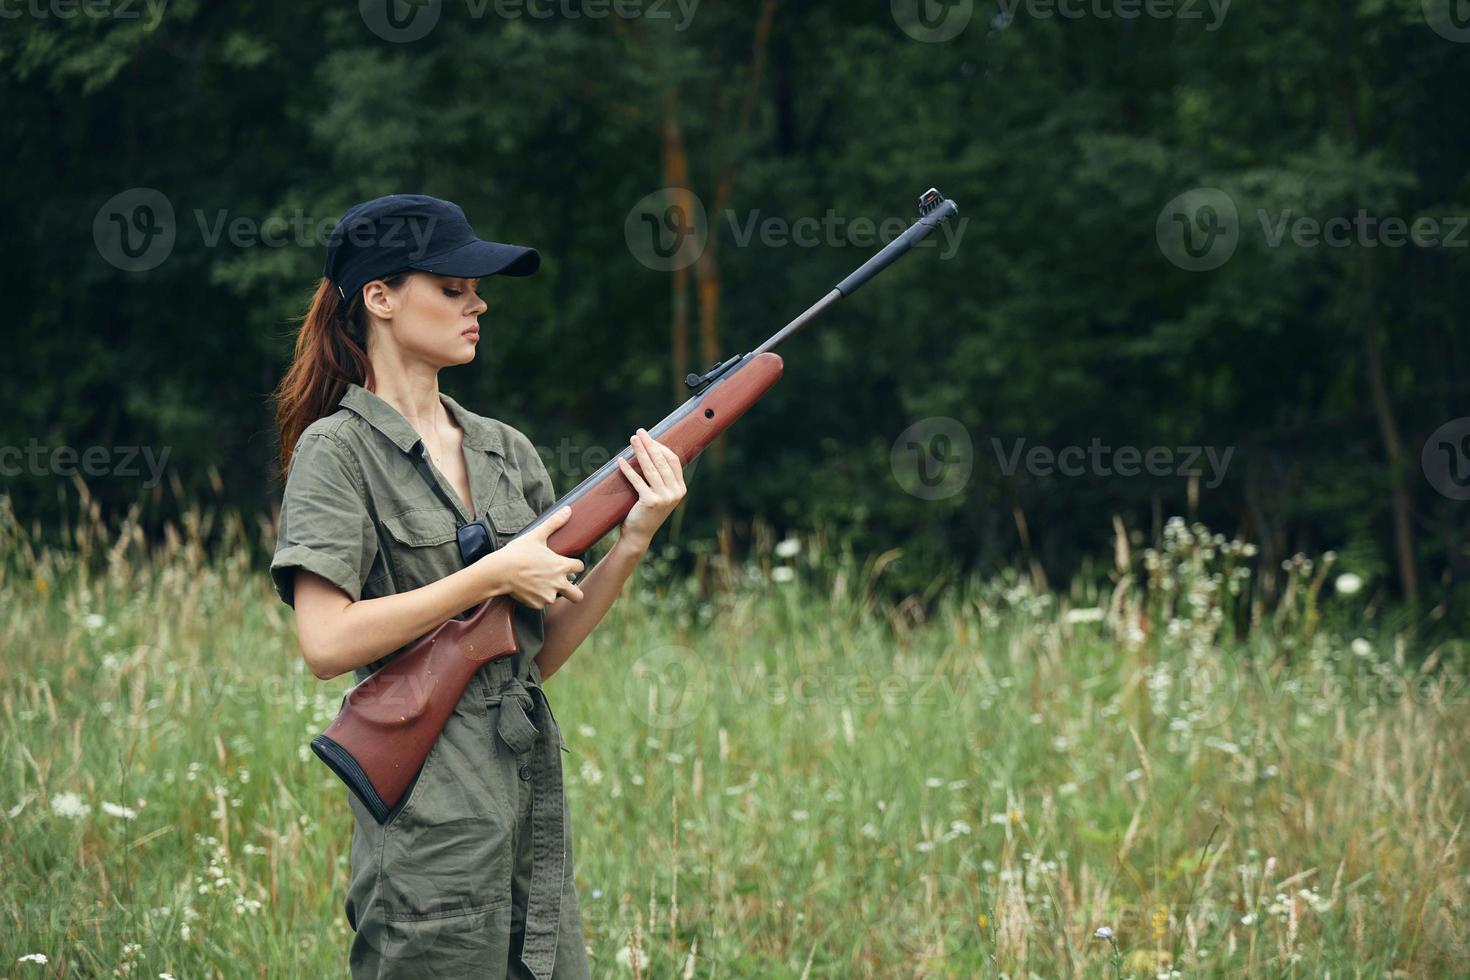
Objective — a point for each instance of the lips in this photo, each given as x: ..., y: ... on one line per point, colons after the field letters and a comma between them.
x: 471, y: 334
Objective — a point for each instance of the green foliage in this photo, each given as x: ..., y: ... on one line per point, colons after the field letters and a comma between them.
x: 1057, y: 319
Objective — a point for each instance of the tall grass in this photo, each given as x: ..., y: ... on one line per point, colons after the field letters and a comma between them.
x: 773, y: 772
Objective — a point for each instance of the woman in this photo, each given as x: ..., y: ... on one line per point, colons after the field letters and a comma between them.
x: 471, y: 874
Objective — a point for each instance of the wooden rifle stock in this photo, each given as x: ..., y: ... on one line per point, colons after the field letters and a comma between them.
x: 388, y: 722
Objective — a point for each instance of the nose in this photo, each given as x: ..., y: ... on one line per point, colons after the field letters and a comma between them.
x: 479, y: 306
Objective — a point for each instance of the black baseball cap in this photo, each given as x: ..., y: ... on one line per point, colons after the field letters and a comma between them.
x: 403, y: 232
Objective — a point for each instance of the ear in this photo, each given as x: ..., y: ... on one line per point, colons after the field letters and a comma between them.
x: 378, y: 299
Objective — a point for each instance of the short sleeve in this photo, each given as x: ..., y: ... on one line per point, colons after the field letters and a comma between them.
x: 325, y: 527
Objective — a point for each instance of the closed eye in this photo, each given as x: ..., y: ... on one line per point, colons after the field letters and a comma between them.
x: 452, y: 291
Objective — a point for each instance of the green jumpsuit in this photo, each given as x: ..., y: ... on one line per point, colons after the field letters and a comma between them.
x: 472, y: 875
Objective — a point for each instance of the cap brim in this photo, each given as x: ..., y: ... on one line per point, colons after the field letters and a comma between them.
x: 479, y: 259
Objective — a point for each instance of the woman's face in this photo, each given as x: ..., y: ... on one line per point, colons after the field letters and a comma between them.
x: 430, y: 318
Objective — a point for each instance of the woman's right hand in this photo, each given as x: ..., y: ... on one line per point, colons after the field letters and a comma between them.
x: 534, y: 574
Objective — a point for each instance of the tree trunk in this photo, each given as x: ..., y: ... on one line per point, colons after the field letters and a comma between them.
x: 1393, y: 446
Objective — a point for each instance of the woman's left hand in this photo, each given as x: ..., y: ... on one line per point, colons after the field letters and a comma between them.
x: 660, y: 487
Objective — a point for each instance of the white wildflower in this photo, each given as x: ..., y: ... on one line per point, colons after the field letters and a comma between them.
x: 1361, y: 647
x: 933, y: 782
x: 586, y: 731
x: 33, y: 958
x: 1103, y: 932
x: 625, y: 958
x: 70, y: 805
x: 1085, y: 615
x: 782, y: 574
x: 787, y: 548
x: 1348, y: 584
x: 118, y: 810
x: 93, y: 621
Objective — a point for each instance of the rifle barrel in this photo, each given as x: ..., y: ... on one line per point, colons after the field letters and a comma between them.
x: 890, y: 253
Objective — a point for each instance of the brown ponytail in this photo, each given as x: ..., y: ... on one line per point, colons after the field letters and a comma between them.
x: 331, y: 352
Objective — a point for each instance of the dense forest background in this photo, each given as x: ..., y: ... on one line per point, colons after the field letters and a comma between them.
x: 1146, y: 255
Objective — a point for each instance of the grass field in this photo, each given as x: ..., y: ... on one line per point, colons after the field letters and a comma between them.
x: 782, y: 779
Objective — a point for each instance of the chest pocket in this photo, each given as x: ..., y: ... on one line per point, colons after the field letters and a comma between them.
x: 421, y: 547
x: 509, y: 515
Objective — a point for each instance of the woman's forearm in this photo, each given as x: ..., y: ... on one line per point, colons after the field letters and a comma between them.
x: 569, y: 623
x: 341, y: 635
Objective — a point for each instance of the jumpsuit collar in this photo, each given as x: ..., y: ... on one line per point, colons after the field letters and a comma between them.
x: 478, y: 434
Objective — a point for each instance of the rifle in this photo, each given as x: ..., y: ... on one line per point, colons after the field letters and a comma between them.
x: 389, y: 721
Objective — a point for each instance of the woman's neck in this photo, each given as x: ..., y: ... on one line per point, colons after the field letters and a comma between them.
x: 412, y: 389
